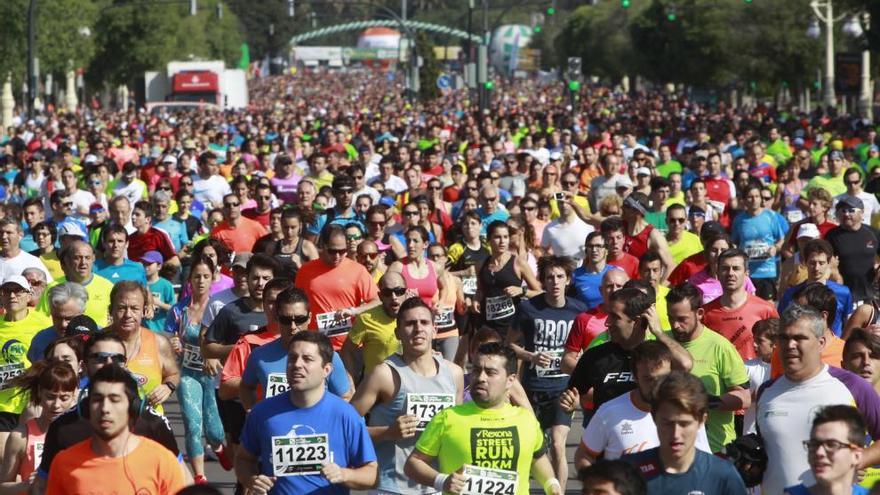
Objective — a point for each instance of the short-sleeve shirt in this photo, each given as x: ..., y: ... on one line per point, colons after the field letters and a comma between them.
x: 349, y: 441
x: 374, y: 330
x: 239, y: 239
x: 241, y: 351
x: 98, y: 305
x: 234, y: 320
x: 586, y: 284
x: 736, y: 324
x: 707, y: 474
x: 844, y: 303
x: 587, y: 326
x: 152, y: 240
x: 271, y: 359
x: 607, y: 369
x: 15, y: 338
x: 128, y: 270
x: 507, y: 437
x: 719, y: 366
x: 176, y: 231
x: 856, y: 251
x: 755, y: 234
x: 149, y: 467
x: 164, y: 292
x: 687, y: 245
x: 545, y: 329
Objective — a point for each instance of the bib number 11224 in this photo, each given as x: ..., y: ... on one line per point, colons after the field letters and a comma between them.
x: 486, y: 481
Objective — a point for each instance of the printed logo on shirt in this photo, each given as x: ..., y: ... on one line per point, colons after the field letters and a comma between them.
x: 626, y: 428
x: 619, y: 377
x: 496, y: 448
x: 649, y: 468
x: 551, y: 334
x: 141, y: 379
x: 13, y: 351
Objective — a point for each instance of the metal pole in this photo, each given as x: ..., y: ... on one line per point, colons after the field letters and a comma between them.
x: 865, y: 95
x: 31, y: 48
x: 830, y: 97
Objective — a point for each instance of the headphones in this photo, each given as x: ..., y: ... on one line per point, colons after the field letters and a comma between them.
x: 136, y: 404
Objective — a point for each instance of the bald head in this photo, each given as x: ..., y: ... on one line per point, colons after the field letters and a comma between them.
x: 612, y: 281
x: 77, y: 259
x: 391, y: 279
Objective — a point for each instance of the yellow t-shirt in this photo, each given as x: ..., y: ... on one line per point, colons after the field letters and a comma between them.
x: 15, y: 339
x: 578, y: 199
x: 53, y: 264
x: 98, y: 305
x: 374, y: 330
x: 689, y: 244
x: 504, y: 438
x: 660, y: 304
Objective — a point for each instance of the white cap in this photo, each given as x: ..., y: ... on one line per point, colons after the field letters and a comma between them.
x: 555, y: 156
x: 90, y: 158
x: 643, y: 171
x: 19, y: 281
x: 623, y: 182
x: 170, y: 159
x: 808, y: 230
x: 71, y: 228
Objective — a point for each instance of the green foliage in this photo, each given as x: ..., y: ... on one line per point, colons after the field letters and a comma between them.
x: 430, y: 69
x: 138, y: 37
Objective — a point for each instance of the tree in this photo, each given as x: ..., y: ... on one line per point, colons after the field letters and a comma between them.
x: 430, y: 69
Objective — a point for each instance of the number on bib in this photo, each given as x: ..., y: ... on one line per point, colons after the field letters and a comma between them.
x: 469, y: 285
x: 426, y: 406
x: 276, y: 384
x: 553, y: 370
x: 445, y: 318
x: 487, y: 481
x: 192, y: 357
x: 330, y: 326
x: 499, y: 307
x: 300, y: 455
x: 10, y: 371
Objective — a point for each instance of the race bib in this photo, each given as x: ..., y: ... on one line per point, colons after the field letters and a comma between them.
x: 794, y: 216
x: 499, y: 307
x: 300, y: 455
x: 10, y: 371
x: 330, y: 326
x: 718, y: 206
x: 276, y: 384
x: 38, y: 452
x: 444, y: 318
x: 192, y: 358
x: 426, y: 406
x: 487, y: 481
x: 553, y: 370
x: 469, y: 285
x: 757, y: 250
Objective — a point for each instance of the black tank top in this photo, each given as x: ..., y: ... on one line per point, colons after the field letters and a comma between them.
x: 288, y: 267
x: 493, y: 285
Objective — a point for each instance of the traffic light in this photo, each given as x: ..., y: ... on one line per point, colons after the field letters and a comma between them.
x: 574, y: 85
x: 536, y: 29
x: 625, y: 3
x: 490, y: 85
x: 749, y: 1
x: 551, y: 10
x: 671, y: 15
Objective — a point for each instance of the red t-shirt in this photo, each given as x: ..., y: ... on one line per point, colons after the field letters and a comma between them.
x: 736, y: 324
x: 153, y: 240
x: 240, y: 239
x: 627, y: 263
x: 241, y: 351
x: 686, y: 269
x: 334, y: 288
x: 587, y: 326
x: 261, y: 218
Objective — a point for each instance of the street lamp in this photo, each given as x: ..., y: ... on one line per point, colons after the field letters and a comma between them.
x: 827, y: 18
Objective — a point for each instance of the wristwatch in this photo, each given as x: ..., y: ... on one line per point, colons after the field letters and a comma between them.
x: 170, y: 386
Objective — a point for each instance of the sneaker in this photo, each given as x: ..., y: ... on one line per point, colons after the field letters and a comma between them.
x: 200, y: 480
x: 225, y: 461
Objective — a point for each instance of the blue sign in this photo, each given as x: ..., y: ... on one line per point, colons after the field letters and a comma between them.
x: 444, y: 82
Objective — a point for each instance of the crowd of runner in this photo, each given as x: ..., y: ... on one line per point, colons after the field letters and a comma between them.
x: 348, y: 291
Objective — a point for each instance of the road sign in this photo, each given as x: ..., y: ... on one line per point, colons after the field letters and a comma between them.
x: 444, y: 83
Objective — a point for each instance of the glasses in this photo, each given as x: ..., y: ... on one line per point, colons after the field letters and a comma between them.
x: 434, y: 188
x: 528, y: 208
x: 18, y: 291
x: 95, y: 182
x: 372, y: 256
x: 569, y: 183
x: 164, y: 188
x: 396, y: 291
x: 493, y: 198
x: 831, y: 446
x: 353, y: 237
x: 297, y: 320
x: 410, y: 213
x: 343, y: 191
x: 853, y: 182
x: 103, y: 357
x: 377, y: 223
x: 231, y: 205
x: 182, y: 183
x: 337, y: 252
x: 848, y: 211
x: 596, y: 246
x: 767, y: 198
x: 674, y: 221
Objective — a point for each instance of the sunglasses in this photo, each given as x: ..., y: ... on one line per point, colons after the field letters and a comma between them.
x: 102, y: 357
x: 675, y: 220
x: 163, y: 188
x: 337, y: 252
x: 410, y: 213
x: 293, y: 320
x: 372, y: 256
x: 397, y: 292
x: 354, y: 237
x: 569, y: 184
x: 528, y: 208
x: 95, y: 182
x: 231, y: 205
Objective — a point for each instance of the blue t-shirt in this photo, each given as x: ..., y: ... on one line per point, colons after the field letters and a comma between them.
x: 487, y: 218
x: 272, y: 358
x: 803, y: 490
x: 708, y: 474
x: 320, y: 222
x: 350, y: 443
x: 844, y: 303
x: 164, y: 291
x: 586, y: 285
x: 545, y: 329
x: 176, y: 230
x: 755, y: 235
x: 128, y: 270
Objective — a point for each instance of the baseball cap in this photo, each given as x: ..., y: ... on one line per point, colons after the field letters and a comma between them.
x: 643, y: 171
x: 241, y: 260
x: 90, y: 159
x: 637, y: 201
x: 808, y: 230
x: 170, y: 159
x: 81, y: 325
x: 624, y: 182
x: 848, y: 201
x: 96, y: 208
x: 555, y: 156
x: 696, y: 211
x: 836, y: 154
x: 18, y: 280
x: 153, y: 257
x: 71, y: 228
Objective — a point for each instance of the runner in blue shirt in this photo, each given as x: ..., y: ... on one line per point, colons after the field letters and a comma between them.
x: 114, y: 266
x: 759, y: 233
x: 306, y: 441
x: 266, y: 367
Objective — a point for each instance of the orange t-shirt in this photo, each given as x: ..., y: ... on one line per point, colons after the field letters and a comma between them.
x: 240, y: 239
x: 331, y: 289
x: 241, y: 351
x: 736, y: 324
x: 832, y: 355
x: 149, y: 468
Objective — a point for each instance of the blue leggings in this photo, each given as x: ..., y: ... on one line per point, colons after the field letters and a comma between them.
x: 196, y: 396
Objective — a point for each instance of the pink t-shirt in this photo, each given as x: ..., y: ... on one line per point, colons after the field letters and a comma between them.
x: 711, y: 287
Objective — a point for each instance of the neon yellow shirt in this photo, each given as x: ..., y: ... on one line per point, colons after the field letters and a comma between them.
x: 98, y: 305
x: 15, y: 339
x: 688, y: 244
x: 374, y: 329
x: 719, y: 366
x: 580, y: 200
x: 504, y: 438
x: 833, y: 185
x: 53, y: 264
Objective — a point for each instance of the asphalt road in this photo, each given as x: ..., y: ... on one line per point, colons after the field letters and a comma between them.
x: 225, y: 480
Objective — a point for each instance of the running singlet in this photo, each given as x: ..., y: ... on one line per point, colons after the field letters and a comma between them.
x: 426, y: 286
x: 34, y: 450
x: 506, y: 438
x: 145, y: 366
